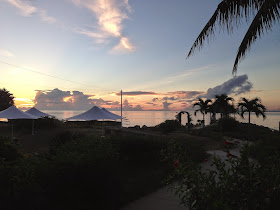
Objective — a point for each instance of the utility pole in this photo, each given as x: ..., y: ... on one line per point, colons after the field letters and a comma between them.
x: 121, y: 109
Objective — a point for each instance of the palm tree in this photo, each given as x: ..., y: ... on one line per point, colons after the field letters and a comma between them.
x: 222, y: 105
x: 230, y: 13
x: 203, y: 107
x: 251, y: 106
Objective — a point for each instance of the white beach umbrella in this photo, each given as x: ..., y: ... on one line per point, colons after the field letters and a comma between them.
x: 37, y: 113
x: 112, y: 115
x: 13, y: 113
x: 93, y: 114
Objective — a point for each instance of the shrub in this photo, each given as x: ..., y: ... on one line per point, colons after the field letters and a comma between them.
x: 235, y: 184
x: 8, y: 151
x: 139, y: 150
x: 63, y: 138
x: 228, y: 124
x: 169, y: 126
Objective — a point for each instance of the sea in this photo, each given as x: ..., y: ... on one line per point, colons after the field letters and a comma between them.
x: 153, y: 118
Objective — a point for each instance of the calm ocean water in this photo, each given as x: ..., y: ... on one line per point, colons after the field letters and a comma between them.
x: 152, y: 118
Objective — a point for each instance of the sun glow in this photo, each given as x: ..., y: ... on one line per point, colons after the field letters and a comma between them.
x: 24, y: 103
x: 69, y: 99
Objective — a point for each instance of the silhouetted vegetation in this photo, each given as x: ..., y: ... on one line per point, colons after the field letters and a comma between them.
x: 6, y: 99
x: 84, y: 172
x: 169, y: 126
x: 251, y: 106
x: 229, y: 14
x: 204, y: 108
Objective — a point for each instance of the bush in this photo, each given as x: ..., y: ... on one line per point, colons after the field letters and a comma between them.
x: 228, y: 124
x: 8, y: 151
x: 62, y: 138
x: 169, y: 126
x: 139, y: 150
x: 239, y: 184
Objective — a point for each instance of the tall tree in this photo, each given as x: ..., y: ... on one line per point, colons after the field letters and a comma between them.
x: 6, y: 99
x: 203, y: 107
x: 221, y: 105
x: 251, y: 106
x: 230, y: 13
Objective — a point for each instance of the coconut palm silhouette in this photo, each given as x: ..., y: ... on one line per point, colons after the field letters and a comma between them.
x: 204, y: 107
x: 249, y: 106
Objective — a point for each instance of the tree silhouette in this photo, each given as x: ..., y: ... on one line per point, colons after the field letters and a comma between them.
x: 221, y: 105
x: 230, y: 13
x: 251, y: 106
x: 204, y: 107
x: 6, y: 99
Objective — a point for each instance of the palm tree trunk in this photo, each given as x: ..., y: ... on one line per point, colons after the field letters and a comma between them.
x: 249, y: 117
x: 203, y: 119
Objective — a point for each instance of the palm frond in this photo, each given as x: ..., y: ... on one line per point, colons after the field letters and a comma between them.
x: 196, y: 104
x: 228, y: 14
x: 266, y: 17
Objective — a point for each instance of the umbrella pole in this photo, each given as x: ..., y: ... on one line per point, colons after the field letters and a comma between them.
x: 12, y: 131
x: 32, y: 133
x: 121, y: 108
x: 103, y: 132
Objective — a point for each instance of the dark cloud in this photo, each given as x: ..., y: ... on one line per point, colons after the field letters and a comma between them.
x: 169, y: 98
x: 67, y: 100
x: 236, y: 85
x: 185, y: 94
x: 154, y: 99
x: 129, y: 107
x: 151, y: 103
x: 136, y: 93
x: 166, y: 105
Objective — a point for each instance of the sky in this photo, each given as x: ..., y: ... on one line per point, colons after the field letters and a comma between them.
x: 74, y: 54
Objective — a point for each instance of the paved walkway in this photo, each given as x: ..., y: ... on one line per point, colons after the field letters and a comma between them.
x: 164, y: 199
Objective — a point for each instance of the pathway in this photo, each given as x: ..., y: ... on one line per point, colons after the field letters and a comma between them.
x: 164, y: 199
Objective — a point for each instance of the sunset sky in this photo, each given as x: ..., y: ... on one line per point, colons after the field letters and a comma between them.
x: 73, y: 54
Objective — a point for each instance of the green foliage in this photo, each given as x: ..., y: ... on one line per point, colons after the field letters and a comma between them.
x: 62, y: 138
x: 228, y: 124
x: 82, y: 173
x: 269, y: 144
x: 169, y: 126
x: 6, y: 99
x: 238, y: 183
x: 47, y: 122
x: 140, y: 150
x: 8, y: 151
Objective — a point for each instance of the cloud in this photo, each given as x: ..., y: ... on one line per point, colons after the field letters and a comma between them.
x: 169, y: 98
x: 166, y: 105
x: 123, y: 47
x: 44, y: 16
x: 136, y: 93
x: 27, y: 9
x: 66, y: 100
x: 186, y: 94
x: 6, y: 53
x: 236, y: 85
x: 110, y: 14
x: 129, y: 107
x: 24, y: 6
